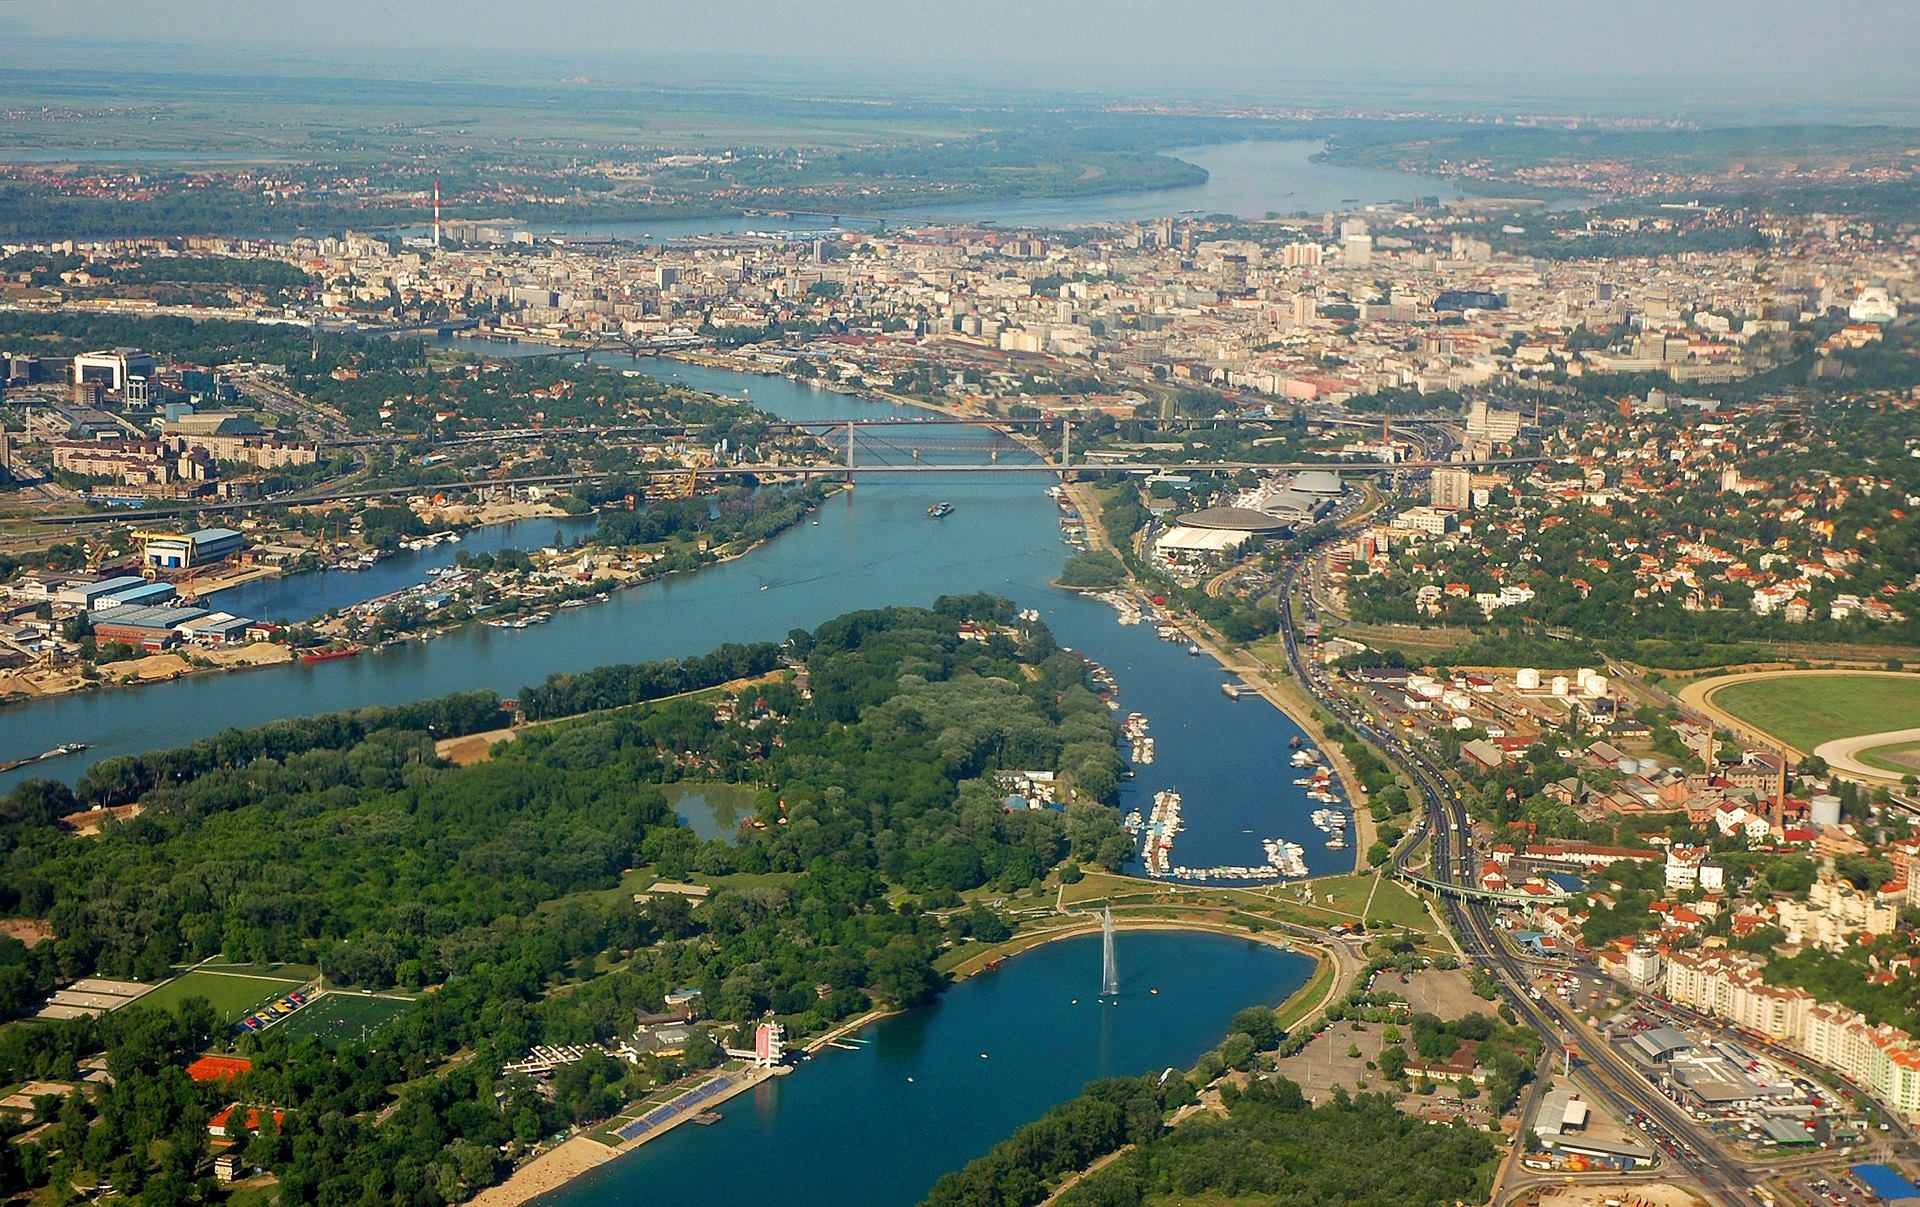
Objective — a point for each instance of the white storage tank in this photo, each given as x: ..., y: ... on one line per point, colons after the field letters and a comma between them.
x: 1581, y: 676
x: 1595, y: 686
x: 1457, y: 699
x: 1825, y: 811
x: 1560, y: 685
x: 1528, y: 680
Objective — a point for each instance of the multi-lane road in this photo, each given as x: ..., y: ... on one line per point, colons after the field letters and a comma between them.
x: 1448, y: 828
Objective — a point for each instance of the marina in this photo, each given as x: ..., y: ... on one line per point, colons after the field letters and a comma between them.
x: 864, y: 548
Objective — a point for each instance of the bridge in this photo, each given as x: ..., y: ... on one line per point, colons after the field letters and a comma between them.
x: 1473, y: 892
x: 614, y: 342
x: 428, y: 327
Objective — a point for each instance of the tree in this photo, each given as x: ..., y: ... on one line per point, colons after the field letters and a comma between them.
x: 1258, y: 1024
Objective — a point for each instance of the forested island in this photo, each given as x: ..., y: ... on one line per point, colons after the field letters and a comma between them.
x: 502, y: 893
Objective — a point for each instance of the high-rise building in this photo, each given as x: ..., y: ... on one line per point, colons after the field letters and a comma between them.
x: 1452, y: 489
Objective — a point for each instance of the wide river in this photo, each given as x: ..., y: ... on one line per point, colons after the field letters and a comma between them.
x: 926, y: 1091
x: 867, y: 547
x: 1245, y: 179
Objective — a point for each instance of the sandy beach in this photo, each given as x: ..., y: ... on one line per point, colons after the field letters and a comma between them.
x: 548, y: 1171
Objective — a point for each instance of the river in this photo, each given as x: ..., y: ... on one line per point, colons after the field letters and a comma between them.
x: 1245, y: 179
x: 929, y: 1090
x: 867, y: 547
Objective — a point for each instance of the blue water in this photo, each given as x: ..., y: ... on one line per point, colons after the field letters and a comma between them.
x: 1245, y: 179
x: 851, y: 1129
x: 867, y: 547
x: 303, y: 596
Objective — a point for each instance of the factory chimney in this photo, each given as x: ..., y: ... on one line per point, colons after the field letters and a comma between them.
x: 436, y: 215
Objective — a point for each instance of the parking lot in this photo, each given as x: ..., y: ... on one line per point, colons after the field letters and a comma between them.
x: 1749, y: 1102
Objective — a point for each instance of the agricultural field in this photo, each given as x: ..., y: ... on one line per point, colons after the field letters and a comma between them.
x: 340, y: 1017
x: 1806, y: 709
x: 234, y: 994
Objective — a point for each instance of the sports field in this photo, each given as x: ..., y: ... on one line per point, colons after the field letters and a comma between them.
x: 233, y: 994
x: 1901, y: 758
x: 339, y: 1017
x: 1806, y: 709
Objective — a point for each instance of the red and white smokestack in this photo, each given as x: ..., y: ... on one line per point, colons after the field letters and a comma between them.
x: 436, y: 213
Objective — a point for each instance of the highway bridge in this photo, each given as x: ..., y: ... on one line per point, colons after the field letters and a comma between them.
x: 774, y: 471
x: 1475, y: 892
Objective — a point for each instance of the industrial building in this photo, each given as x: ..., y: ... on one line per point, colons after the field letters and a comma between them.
x: 1561, y: 1124
x: 147, y: 628
x: 1659, y: 1044
x: 144, y: 595
x: 88, y: 595
x: 178, y: 552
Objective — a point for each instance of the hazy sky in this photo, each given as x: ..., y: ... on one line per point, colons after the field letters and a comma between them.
x: 1792, y: 48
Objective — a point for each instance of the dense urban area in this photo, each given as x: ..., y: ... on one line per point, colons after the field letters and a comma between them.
x: 1555, y: 541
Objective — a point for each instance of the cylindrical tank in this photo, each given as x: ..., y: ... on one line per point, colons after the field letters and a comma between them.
x: 1455, y: 698
x: 1826, y: 811
x: 1581, y: 676
x: 1595, y: 686
x: 1528, y: 680
x: 1559, y: 685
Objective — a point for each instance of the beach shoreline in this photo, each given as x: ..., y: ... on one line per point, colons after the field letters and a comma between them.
x: 580, y: 1154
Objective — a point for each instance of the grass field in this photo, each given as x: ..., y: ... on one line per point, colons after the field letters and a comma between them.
x: 1901, y: 758
x: 338, y: 1018
x: 233, y: 994
x: 1303, y: 1003
x: 1806, y: 710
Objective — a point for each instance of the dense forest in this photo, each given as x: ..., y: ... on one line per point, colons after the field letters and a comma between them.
x: 343, y: 843
x: 1274, y: 1148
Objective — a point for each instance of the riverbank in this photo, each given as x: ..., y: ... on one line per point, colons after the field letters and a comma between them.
x: 1253, y: 672
x: 30, y: 684
x: 33, y: 684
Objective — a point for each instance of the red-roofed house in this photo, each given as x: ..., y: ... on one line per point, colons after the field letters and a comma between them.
x: 223, y: 1125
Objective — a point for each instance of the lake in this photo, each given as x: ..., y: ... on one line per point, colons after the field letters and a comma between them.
x: 927, y: 1091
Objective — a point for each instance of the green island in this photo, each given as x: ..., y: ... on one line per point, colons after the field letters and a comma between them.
x: 506, y: 908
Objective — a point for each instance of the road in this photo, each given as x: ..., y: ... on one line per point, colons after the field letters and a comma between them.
x: 1449, y: 828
